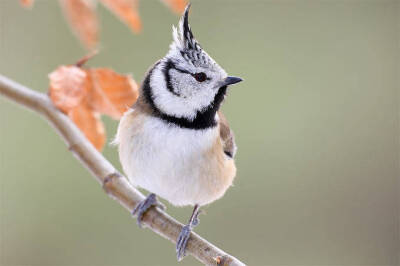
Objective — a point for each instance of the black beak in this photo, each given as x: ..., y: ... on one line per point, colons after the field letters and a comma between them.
x: 231, y: 80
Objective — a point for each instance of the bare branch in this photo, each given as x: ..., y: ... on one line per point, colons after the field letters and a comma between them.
x: 113, y: 182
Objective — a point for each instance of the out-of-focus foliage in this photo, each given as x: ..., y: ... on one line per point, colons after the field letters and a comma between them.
x: 82, y: 18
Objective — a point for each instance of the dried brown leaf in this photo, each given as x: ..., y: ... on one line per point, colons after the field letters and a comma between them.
x: 89, y: 123
x: 85, y: 94
x: 178, y: 6
x: 126, y: 11
x: 111, y: 93
x: 68, y: 87
x: 81, y: 16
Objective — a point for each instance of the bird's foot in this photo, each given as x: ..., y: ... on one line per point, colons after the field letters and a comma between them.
x: 184, y: 235
x: 182, y: 241
x: 144, y: 205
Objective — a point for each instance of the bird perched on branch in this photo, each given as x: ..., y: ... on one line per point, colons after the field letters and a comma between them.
x: 174, y: 142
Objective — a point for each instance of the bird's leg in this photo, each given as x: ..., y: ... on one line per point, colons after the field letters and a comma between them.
x: 144, y: 205
x: 185, y: 233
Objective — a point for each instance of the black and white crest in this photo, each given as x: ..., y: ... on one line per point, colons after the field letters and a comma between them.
x: 189, y: 42
x: 186, y: 44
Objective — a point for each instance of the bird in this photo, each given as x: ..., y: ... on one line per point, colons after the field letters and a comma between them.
x: 174, y: 141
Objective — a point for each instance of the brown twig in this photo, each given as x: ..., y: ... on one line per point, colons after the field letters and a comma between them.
x: 113, y: 182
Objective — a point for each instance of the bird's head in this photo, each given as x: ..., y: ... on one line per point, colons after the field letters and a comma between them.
x: 187, y: 86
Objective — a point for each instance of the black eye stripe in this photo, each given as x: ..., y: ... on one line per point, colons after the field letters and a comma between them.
x: 182, y: 71
x: 203, y: 77
x: 171, y: 65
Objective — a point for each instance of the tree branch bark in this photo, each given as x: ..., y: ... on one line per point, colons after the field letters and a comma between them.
x: 115, y: 185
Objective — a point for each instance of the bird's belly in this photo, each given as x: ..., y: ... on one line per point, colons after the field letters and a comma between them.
x: 183, y: 166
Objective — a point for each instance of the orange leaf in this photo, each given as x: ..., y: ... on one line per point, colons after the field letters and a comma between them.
x: 126, y: 11
x: 111, y: 94
x: 68, y: 86
x: 90, y: 124
x: 178, y: 6
x: 27, y: 3
x: 82, y: 18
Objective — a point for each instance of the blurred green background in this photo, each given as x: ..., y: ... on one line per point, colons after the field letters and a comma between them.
x: 316, y: 122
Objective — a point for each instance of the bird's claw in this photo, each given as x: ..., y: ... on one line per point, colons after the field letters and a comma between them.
x: 184, y: 235
x: 182, y: 241
x: 144, y: 205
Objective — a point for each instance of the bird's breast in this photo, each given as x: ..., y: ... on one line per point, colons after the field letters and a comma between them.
x: 184, y: 166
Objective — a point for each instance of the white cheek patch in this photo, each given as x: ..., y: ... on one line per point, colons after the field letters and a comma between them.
x: 182, y: 83
x: 194, y: 96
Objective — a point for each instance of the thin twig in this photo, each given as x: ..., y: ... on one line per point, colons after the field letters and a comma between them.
x: 113, y: 182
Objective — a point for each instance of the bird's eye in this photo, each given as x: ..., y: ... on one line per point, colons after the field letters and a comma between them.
x: 200, y: 77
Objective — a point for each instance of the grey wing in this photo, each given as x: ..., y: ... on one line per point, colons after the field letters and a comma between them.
x: 227, y: 136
